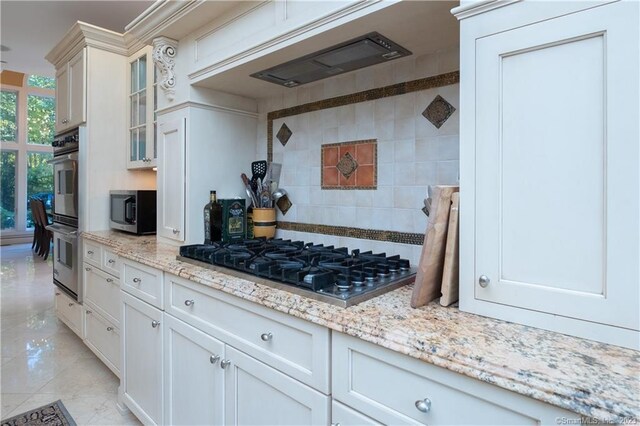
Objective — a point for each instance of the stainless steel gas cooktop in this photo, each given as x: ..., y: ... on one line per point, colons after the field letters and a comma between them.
x: 324, y: 273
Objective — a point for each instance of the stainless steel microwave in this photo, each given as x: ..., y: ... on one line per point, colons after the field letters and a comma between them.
x: 133, y: 211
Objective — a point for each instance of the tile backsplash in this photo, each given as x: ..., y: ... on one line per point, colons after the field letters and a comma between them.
x: 412, y: 151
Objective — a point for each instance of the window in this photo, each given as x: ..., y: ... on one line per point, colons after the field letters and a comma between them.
x: 27, y: 128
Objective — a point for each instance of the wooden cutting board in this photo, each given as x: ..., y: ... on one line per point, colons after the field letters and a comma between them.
x: 451, y: 255
x: 429, y: 275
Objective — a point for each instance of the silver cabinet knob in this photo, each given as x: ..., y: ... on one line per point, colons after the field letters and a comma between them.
x: 111, y: 261
x: 137, y: 280
x: 225, y: 363
x: 335, y: 424
x: 214, y: 358
x: 70, y: 304
x: 87, y: 269
x: 266, y: 336
x: 175, y: 231
x: 88, y: 312
x: 109, y: 280
x: 57, y: 294
x: 109, y: 328
x: 189, y: 302
x: 89, y: 252
x: 155, y: 323
x: 483, y: 281
x: 423, y: 405
x: 55, y: 272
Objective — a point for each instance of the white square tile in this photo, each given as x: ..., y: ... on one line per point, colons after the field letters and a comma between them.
x: 347, y: 133
x: 364, y: 198
x: 385, y: 174
x: 407, y: 197
x: 364, y: 112
x: 402, y: 220
x: 346, y: 115
x: 330, y: 117
x: 364, y: 217
x: 404, y: 174
x: 365, y: 131
x: 448, y: 147
x: 405, y: 128
x: 426, y: 65
x: 330, y: 135
x: 404, y: 106
x: 385, y: 130
x: 365, y: 79
x: 426, y: 149
x: 383, y: 197
x: 448, y: 60
x: 383, y: 75
x: 386, y: 152
x: 404, y: 151
x: 426, y: 173
x: 403, y: 70
x: 384, y: 109
x: 447, y: 172
x: 381, y: 219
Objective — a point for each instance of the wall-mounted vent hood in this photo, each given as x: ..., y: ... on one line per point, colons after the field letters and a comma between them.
x: 369, y: 49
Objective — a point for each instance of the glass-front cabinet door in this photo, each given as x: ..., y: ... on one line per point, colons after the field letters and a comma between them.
x: 141, y: 99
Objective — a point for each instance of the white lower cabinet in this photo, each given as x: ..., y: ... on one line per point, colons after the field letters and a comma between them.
x: 194, y: 381
x: 69, y: 311
x: 341, y: 415
x: 103, y: 338
x: 257, y: 394
x: 395, y: 389
x: 142, y: 359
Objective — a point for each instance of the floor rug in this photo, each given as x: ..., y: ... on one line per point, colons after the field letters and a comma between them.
x: 53, y: 414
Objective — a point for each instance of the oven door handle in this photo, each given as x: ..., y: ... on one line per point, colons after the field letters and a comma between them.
x: 62, y: 230
x: 64, y: 158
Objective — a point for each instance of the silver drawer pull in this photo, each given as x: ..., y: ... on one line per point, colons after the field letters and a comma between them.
x: 175, y: 231
x: 87, y: 269
x: 137, y: 280
x: 109, y: 328
x: 55, y: 272
x: 89, y: 252
x: 111, y: 261
x: 214, y: 358
x: 88, y: 312
x: 155, y: 323
x: 70, y: 304
x: 484, y: 281
x: 266, y: 336
x: 423, y: 405
x: 109, y: 280
x: 189, y: 302
x: 225, y: 363
x: 57, y: 294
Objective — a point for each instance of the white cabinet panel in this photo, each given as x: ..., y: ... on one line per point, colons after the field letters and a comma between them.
x: 62, y: 98
x: 143, y: 282
x: 171, y: 179
x: 77, y: 90
x: 103, y: 338
x: 142, y: 357
x: 346, y: 416
x: 259, y: 395
x: 556, y: 175
x: 102, y: 291
x: 194, y: 381
x: 69, y: 311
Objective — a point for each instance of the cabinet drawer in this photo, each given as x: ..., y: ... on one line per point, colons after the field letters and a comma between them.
x: 143, y: 282
x: 102, y: 291
x: 389, y: 386
x: 110, y: 262
x: 92, y: 253
x: 291, y: 345
x: 69, y: 311
x: 347, y: 416
x: 103, y: 338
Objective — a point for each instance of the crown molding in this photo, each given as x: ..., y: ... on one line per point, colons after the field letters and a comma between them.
x: 474, y: 8
x: 161, y: 15
x: 82, y: 34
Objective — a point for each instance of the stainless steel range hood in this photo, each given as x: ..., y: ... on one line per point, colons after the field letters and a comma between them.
x: 364, y: 51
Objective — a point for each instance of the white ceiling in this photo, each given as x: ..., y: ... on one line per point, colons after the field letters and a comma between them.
x: 32, y: 28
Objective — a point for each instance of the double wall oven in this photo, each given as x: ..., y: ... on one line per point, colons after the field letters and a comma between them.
x: 65, y: 213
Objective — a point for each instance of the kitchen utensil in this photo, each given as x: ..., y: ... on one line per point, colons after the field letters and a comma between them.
x: 265, y: 197
x: 258, y: 171
x: 274, y: 175
x: 450, y: 283
x: 429, y: 275
x: 250, y: 193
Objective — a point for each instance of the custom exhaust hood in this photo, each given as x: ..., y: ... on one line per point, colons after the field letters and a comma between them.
x: 369, y: 49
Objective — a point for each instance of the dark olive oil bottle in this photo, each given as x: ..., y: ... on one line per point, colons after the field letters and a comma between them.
x: 212, y: 220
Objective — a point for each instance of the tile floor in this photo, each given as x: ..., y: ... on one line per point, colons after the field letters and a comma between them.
x: 43, y: 360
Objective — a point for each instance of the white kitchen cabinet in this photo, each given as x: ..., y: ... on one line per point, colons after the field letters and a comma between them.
x: 395, y: 389
x: 68, y: 311
x: 550, y: 168
x: 102, y: 292
x: 194, y: 381
x: 142, y: 359
x: 200, y: 148
x: 256, y: 394
x: 141, y: 90
x: 171, y: 179
x: 71, y: 93
x: 346, y: 416
x: 103, y: 338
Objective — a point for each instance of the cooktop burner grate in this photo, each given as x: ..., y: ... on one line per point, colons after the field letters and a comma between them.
x: 324, y: 273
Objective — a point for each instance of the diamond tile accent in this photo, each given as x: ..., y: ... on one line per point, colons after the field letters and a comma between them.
x: 438, y: 111
x: 284, y: 134
x: 347, y: 165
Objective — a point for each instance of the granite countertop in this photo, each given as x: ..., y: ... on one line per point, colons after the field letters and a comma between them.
x: 590, y: 378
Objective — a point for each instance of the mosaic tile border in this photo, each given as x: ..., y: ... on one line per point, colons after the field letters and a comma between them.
x: 349, y: 143
x: 360, y: 233
x: 364, y: 96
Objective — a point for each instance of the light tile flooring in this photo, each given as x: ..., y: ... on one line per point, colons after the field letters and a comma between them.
x: 43, y: 360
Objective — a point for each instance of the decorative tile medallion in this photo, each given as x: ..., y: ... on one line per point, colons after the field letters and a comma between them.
x: 284, y: 134
x: 438, y: 111
x: 350, y: 165
x: 347, y: 165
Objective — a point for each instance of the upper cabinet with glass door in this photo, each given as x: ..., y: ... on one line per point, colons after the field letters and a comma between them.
x: 141, y: 98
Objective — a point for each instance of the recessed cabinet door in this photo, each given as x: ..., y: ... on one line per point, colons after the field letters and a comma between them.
x: 62, y: 98
x: 256, y: 394
x: 142, y: 359
x: 194, y: 381
x: 557, y: 216
x: 141, y: 110
x: 171, y: 179
x: 77, y: 103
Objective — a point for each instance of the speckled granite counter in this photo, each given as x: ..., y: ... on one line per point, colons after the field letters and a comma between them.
x: 587, y: 377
